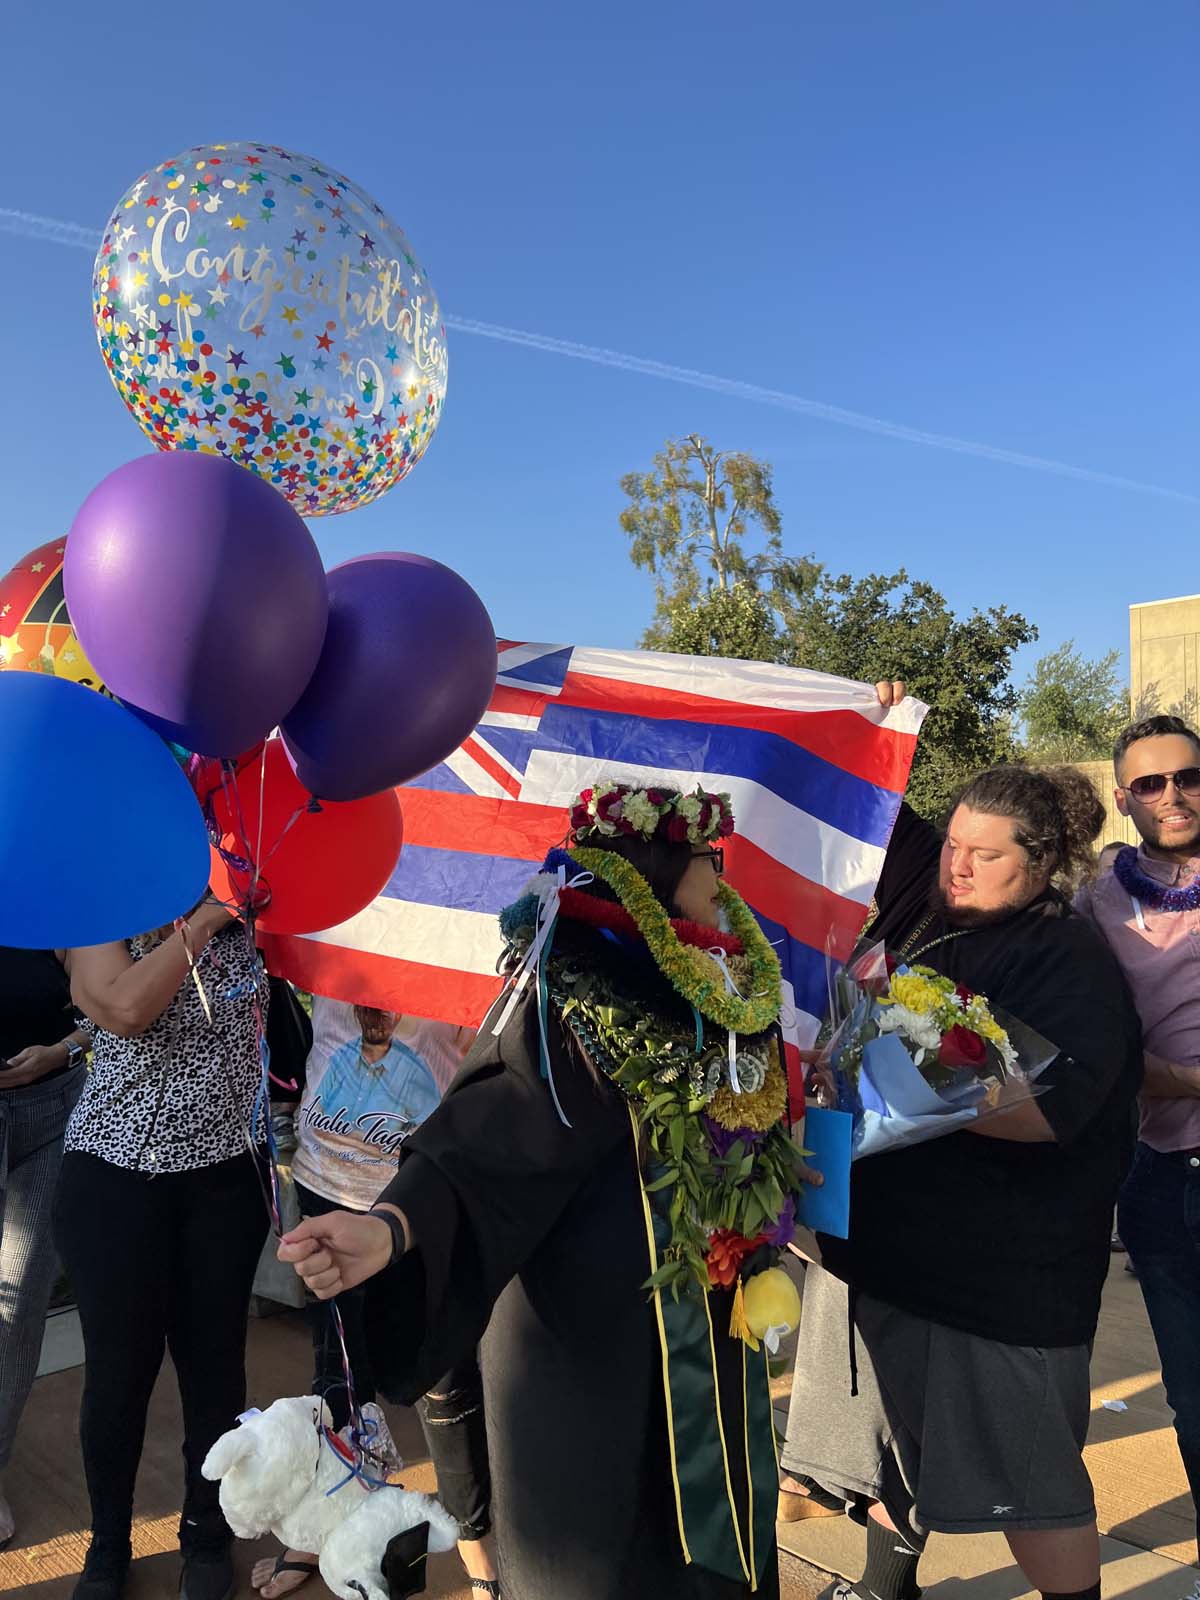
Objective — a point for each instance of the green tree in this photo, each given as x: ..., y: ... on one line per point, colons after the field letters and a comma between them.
x: 738, y: 622
x: 894, y: 626
x: 1072, y: 707
x: 704, y: 524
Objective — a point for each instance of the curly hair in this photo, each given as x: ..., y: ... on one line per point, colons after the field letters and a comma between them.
x: 1056, y: 814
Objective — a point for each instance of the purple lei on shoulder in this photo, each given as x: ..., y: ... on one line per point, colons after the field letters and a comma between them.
x: 1148, y: 891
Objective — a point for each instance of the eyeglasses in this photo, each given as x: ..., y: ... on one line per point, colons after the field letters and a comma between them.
x: 717, y: 857
x: 1186, y: 781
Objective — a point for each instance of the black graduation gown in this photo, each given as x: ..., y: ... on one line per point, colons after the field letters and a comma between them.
x: 537, y: 1233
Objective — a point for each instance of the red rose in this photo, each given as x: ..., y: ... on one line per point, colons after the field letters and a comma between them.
x: 657, y: 797
x: 580, y: 818
x: 964, y: 994
x: 585, y: 795
x: 962, y: 1047
x: 726, y: 827
x: 677, y: 829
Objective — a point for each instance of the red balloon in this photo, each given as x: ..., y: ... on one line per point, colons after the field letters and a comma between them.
x: 317, y: 866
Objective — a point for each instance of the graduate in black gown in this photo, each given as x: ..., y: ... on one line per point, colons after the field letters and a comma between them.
x: 599, y: 1199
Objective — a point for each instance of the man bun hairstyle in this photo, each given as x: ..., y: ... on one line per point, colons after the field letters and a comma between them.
x: 1056, y: 814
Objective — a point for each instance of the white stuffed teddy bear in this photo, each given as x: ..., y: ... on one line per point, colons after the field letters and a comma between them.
x: 277, y: 1469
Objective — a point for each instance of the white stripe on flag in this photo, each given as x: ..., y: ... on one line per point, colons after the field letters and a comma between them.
x: 799, y: 1027
x: 753, y: 683
x: 476, y: 779
x: 509, y: 719
x: 435, y: 936
x: 816, y: 850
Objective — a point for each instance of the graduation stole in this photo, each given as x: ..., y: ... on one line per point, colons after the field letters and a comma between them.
x: 707, y: 1103
x: 715, y: 1531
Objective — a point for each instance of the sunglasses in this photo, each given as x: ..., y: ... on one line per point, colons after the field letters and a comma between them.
x: 1186, y: 781
x: 717, y: 857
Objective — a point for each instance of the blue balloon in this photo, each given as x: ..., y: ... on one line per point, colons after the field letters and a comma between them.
x: 101, y: 837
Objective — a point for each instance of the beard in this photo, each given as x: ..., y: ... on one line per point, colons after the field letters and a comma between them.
x: 1186, y: 843
x: 971, y: 916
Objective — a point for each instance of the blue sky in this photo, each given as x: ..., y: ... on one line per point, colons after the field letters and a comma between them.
x: 971, y: 219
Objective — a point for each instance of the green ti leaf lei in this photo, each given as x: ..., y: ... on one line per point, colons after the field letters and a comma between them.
x: 675, y: 1075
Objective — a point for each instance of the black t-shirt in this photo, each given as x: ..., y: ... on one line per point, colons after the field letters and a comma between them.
x: 35, y: 1001
x: 1005, y: 1240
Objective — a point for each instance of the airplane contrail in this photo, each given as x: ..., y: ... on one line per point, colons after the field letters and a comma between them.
x: 31, y: 226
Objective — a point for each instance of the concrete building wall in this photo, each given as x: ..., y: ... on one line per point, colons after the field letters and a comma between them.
x: 1164, y: 653
x: 1116, y: 827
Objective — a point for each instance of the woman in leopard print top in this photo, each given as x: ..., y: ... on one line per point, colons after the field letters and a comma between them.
x: 160, y: 1218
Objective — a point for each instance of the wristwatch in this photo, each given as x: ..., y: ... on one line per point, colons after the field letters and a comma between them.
x: 76, y: 1054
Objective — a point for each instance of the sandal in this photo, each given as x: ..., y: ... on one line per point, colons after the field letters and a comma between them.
x: 282, y: 1565
x: 490, y: 1586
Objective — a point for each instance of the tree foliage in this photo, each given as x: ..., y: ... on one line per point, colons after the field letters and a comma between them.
x: 894, y: 626
x: 704, y: 523
x: 1071, y: 707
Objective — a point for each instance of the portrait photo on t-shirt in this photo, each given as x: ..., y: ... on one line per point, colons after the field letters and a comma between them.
x: 373, y: 1076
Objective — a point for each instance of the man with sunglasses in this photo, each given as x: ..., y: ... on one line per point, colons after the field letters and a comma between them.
x: 1148, y: 908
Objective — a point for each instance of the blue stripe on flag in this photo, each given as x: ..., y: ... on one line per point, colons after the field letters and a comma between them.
x: 514, y: 744
x: 458, y: 879
x: 803, y: 967
x: 442, y: 779
x: 796, y: 775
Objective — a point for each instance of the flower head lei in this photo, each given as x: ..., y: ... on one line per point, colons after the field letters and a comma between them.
x: 611, y: 809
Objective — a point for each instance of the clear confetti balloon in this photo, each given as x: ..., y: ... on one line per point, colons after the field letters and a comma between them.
x: 252, y: 303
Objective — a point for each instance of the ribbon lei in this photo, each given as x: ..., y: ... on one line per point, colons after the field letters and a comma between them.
x: 718, y: 956
x: 533, y: 964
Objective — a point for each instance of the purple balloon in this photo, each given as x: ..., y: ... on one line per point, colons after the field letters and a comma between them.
x: 199, y: 597
x: 407, y: 671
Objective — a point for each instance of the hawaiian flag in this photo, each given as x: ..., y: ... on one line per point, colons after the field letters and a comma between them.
x: 815, y: 767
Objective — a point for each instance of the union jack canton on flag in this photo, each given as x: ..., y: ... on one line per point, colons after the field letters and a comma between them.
x: 816, y: 769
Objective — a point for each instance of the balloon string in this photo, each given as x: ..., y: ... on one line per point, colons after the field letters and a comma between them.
x: 271, y: 1188
x: 362, y: 1430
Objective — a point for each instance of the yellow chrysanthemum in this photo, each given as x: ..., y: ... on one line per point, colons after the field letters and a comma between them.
x: 759, y: 1111
x: 989, y: 1028
x: 914, y: 993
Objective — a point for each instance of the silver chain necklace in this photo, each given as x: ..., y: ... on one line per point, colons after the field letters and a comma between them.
x: 910, y: 955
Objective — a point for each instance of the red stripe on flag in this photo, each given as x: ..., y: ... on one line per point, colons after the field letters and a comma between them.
x: 481, y: 824
x: 361, y: 978
x: 526, y: 702
x: 794, y: 1071
x: 808, y: 911
x: 483, y: 757
x: 843, y: 738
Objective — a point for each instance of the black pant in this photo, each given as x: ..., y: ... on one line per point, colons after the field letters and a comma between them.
x: 451, y: 1414
x: 156, y: 1262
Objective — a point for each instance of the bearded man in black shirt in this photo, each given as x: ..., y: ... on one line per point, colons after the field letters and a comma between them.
x: 942, y: 1372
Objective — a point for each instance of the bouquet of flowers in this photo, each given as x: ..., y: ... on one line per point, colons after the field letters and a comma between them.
x: 913, y: 1055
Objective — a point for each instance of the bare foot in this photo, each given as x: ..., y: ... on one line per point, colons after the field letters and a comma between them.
x: 275, y: 1576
